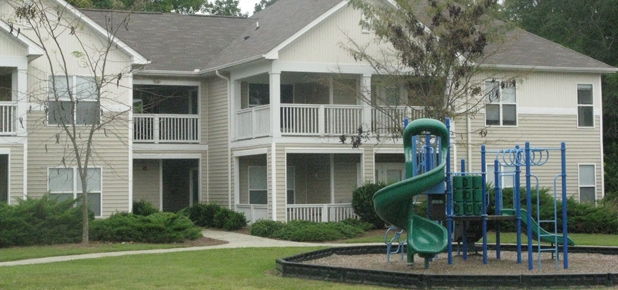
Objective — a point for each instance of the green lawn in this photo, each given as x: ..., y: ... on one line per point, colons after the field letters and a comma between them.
x: 249, y: 268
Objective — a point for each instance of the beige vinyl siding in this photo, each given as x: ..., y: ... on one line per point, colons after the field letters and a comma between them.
x: 110, y: 153
x: 323, y: 43
x: 346, y: 178
x: 368, y: 165
x: 204, y: 113
x: 10, y: 47
x: 16, y: 172
x: 545, y: 131
x: 147, y: 181
x: 218, y: 155
x: 281, y: 191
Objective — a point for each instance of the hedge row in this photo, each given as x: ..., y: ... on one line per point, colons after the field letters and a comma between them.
x: 42, y: 221
x: 162, y: 227
x: 215, y: 216
x: 306, y: 231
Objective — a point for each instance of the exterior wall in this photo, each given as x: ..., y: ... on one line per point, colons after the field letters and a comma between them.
x: 16, y: 171
x: 323, y: 43
x: 9, y: 47
x: 147, y: 181
x: 346, y: 176
x: 218, y: 145
x: 243, y: 176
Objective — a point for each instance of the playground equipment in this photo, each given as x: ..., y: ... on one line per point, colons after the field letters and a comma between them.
x: 396, y: 238
x: 462, y: 199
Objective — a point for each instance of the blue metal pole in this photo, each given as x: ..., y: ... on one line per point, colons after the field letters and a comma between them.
x: 498, y: 200
x: 529, y: 206
x: 484, y: 210
x: 517, y: 201
x: 565, y: 238
x: 449, y: 198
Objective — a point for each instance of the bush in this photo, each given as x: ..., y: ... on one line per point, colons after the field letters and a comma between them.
x: 229, y: 220
x: 362, y: 202
x: 201, y: 214
x: 365, y: 226
x: 265, y: 228
x: 143, y: 208
x: 155, y: 228
x: 43, y: 221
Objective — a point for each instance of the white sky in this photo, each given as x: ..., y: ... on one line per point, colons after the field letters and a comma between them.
x: 247, y: 5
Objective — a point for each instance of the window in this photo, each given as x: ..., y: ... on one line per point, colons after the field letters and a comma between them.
x: 65, y: 183
x: 258, y: 188
x: 82, y: 109
x: 587, y: 184
x: 501, y: 103
x: 507, y: 179
x: 585, y: 110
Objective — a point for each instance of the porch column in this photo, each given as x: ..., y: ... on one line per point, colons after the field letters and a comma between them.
x: 19, y: 97
x: 275, y: 103
x: 235, y: 105
x: 365, y: 91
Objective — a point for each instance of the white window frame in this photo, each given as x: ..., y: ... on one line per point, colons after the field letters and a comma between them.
x: 579, y: 181
x: 490, y: 99
x: 251, y: 190
x: 78, y: 98
x: 502, y: 177
x: 591, y: 105
x: 76, y: 188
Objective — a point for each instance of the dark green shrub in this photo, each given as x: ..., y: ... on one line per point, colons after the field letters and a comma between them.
x: 365, y: 226
x: 155, y: 228
x: 42, y: 221
x: 306, y: 231
x: 143, y: 208
x: 265, y: 228
x: 362, y: 202
x: 201, y: 214
x: 229, y: 220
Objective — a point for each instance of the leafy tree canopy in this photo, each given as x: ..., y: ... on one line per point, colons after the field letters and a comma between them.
x: 224, y: 7
x: 262, y: 5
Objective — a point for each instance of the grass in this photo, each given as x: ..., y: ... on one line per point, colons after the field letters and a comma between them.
x: 248, y: 268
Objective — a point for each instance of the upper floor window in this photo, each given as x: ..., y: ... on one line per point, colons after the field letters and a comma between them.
x: 72, y: 100
x: 501, y: 103
x: 585, y: 110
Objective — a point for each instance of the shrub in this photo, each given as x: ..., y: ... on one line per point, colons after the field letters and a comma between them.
x: 143, y: 208
x: 155, y: 228
x: 362, y: 202
x: 229, y: 220
x: 365, y: 226
x: 201, y: 214
x: 265, y: 228
x: 42, y: 221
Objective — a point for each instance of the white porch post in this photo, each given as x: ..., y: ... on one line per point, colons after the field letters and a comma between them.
x: 235, y: 101
x: 365, y: 90
x: 275, y: 104
x: 22, y: 104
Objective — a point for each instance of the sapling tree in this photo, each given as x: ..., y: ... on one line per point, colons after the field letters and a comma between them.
x: 80, y: 87
x: 431, y: 59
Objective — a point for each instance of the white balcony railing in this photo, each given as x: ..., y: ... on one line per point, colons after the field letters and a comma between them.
x: 384, y: 120
x: 253, y: 122
x: 166, y: 128
x: 253, y: 212
x: 320, y: 212
x: 321, y: 120
x: 7, y: 118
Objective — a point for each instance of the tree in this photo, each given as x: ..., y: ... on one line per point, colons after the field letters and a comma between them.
x: 434, y: 50
x: 78, y: 97
x: 224, y: 7
x: 165, y: 6
x: 591, y: 28
x: 262, y: 5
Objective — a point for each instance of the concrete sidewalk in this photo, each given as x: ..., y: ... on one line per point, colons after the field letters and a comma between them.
x: 235, y: 240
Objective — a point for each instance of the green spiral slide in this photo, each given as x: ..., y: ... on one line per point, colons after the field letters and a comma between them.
x: 394, y: 202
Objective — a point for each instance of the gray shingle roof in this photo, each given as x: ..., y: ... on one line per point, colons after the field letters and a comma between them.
x: 174, y: 42
x: 177, y: 42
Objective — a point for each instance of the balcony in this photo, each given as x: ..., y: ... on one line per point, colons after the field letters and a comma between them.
x: 166, y: 128
x: 8, y: 118
x: 321, y: 120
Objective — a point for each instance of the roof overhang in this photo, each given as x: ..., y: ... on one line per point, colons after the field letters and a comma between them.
x: 136, y: 58
x: 598, y: 70
x: 33, y: 50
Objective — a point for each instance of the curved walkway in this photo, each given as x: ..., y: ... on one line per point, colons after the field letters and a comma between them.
x: 235, y: 240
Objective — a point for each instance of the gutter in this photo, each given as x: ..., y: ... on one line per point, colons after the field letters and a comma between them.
x: 551, y: 68
x: 229, y: 149
x: 231, y: 64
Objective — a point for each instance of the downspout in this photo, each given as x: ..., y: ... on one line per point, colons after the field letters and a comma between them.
x: 229, y: 134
